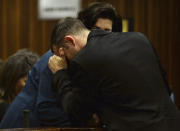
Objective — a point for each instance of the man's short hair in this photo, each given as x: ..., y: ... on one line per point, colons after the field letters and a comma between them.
x: 65, y: 27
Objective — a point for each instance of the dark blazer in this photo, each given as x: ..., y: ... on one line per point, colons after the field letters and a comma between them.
x: 117, y: 76
x: 38, y: 98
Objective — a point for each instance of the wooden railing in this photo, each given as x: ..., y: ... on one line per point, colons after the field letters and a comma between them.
x: 53, y: 129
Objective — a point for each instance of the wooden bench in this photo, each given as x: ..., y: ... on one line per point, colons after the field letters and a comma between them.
x: 53, y: 129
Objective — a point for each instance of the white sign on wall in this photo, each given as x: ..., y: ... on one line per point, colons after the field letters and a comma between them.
x: 55, y: 9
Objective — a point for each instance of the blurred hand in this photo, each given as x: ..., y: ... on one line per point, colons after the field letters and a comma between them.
x: 57, y: 63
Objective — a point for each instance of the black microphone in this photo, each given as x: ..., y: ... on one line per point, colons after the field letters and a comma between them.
x: 26, y: 118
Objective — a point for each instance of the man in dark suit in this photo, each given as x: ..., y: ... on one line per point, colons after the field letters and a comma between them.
x: 114, y: 75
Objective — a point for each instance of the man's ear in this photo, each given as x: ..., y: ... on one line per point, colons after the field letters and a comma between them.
x: 70, y: 39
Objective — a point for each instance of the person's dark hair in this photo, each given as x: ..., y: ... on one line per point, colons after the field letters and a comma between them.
x: 96, y: 10
x: 65, y: 27
x: 32, y: 56
x: 16, y: 67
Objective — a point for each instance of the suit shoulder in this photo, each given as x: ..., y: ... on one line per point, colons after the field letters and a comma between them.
x: 139, y: 36
x: 135, y: 34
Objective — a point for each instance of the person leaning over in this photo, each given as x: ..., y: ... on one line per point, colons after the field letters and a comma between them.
x: 115, y: 75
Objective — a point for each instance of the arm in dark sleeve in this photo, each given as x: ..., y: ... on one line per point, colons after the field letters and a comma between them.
x: 76, y: 101
x: 49, y: 110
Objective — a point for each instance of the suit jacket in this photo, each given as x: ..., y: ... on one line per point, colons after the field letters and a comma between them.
x: 117, y: 76
x: 38, y: 98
